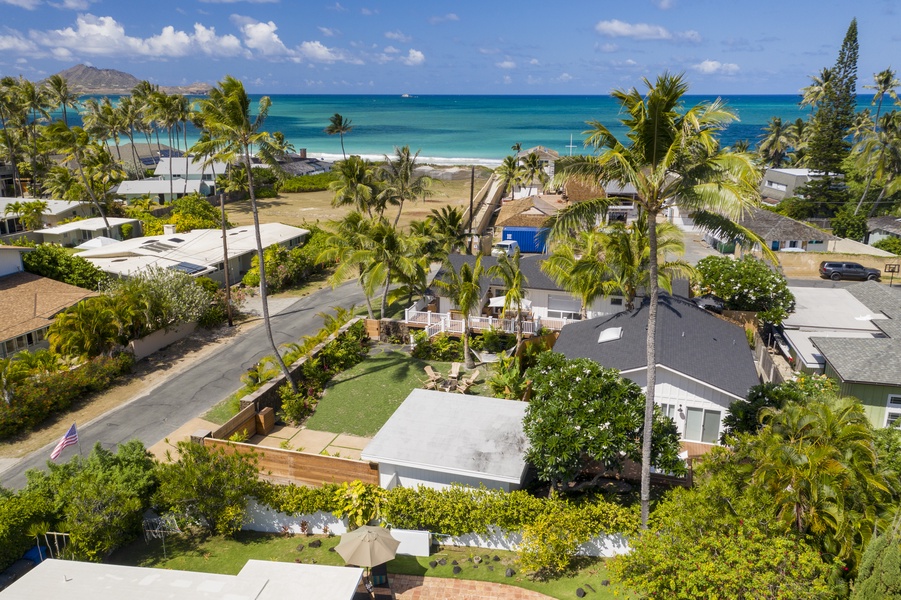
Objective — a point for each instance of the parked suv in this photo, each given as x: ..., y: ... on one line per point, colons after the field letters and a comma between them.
x: 847, y: 270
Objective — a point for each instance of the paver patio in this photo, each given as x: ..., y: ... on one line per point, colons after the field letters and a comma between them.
x: 416, y: 587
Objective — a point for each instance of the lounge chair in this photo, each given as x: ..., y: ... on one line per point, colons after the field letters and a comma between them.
x: 455, y: 371
x: 467, y: 383
x: 432, y: 374
x: 381, y: 588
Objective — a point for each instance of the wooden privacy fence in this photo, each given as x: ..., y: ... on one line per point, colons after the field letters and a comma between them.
x: 290, y: 466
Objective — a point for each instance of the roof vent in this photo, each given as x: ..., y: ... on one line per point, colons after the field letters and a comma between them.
x: 610, y: 334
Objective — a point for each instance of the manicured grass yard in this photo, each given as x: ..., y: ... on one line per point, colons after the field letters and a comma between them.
x: 360, y: 400
x: 213, y: 554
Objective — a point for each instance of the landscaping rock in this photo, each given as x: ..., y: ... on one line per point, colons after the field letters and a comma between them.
x: 457, y: 570
x: 580, y: 593
x: 510, y: 573
x: 490, y: 567
x: 315, y: 543
x: 496, y: 558
x: 455, y: 563
x: 300, y: 547
x: 433, y: 563
x: 332, y: 549
x: 605, y: 582
x: 442, y: 561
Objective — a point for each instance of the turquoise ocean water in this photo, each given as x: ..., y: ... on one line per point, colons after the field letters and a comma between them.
x: 479, y: 129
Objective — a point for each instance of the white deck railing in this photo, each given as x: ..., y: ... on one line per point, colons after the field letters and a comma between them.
x: 436, y: 323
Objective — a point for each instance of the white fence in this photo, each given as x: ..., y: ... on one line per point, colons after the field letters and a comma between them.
x: 261, y: 518
x: 436, y: 323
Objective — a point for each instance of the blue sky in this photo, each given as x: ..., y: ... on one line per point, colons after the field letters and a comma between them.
x: 460, y: 47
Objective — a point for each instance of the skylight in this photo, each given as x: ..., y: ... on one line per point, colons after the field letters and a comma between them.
x: 610, y: 334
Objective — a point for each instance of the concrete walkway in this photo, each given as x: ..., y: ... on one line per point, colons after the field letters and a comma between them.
x: 416, y: 587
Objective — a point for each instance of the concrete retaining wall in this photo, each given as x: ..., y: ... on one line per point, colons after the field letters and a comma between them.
x: 147, y: 345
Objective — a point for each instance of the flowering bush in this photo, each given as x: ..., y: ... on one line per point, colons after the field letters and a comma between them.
x: 747, y: 284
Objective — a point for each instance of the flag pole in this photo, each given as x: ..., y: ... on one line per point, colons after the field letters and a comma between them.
x: 78, y: 442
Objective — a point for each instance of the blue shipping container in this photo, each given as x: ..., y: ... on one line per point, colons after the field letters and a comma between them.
x: 530, y: 239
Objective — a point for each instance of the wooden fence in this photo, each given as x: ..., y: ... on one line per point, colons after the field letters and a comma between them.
x: 290, y: 466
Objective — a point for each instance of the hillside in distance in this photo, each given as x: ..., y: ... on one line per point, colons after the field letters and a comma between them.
x: 84, y: 79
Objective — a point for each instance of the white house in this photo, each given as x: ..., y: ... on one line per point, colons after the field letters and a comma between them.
x: 197, y: 253
x: 779, y: 184
x: 184, y: 167
x: 436, y: 439
x: 704, y: 363
x: 78, y: 232
x: 57, y: 210
x: 162, y: 190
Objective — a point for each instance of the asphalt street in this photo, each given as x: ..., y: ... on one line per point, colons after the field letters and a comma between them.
x: 156, y: 414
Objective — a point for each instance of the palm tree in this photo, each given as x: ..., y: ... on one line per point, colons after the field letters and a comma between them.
x: 340, y: 126
x: 885, y: 85
x: 465, y: 290
x: 72, y: 143
x: 508, y: 271
x: 510, y: 173
x: 33, y: 99
x: 671, y: 156
x: 450, y: 229
x: 775, y: 143
x: 226, y: 115
x: 347, y: 249
x: 12, y: 119
x: 30, y: 213
x: 879, y: 154
x: 818, y: 89
x: 388, y: 254
x: 577, y: 265
x: 87, y: 329
x: 532, y: 169
x: 400, y: 182
x: 356, y: 185
x: 59, y: 95
x: 799, y: 133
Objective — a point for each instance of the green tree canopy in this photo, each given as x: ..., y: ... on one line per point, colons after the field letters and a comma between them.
x: 53, y: 261
x: 580, y: 410
x: 746, y: 284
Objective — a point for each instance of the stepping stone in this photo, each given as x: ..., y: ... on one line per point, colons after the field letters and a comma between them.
x: 457, y: 570
x: 510, y: 573
x: 605, y: 582
x: 455, y: 563
x: 433, y: 563
x: 580, y: 593
x: 300, y: 547
x: 315, y: 543
x: 496, y: 558
x: 442, y: 562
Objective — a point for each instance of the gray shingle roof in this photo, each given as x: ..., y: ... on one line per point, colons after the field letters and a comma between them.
x: 529, y: 264
x: 689, y: 340
x: 863, y: 360
x: 885, y: 223
x: 878, y: 297
x: 772, y: 226
x: 466, y: 435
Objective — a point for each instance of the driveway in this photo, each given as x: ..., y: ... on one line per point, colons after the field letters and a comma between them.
x: 153, y: 416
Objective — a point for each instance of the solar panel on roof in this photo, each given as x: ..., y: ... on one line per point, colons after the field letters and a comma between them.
x: 189, y: 268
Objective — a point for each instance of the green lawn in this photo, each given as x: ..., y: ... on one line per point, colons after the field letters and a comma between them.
x: 360, y: 400
x: 212, y: 554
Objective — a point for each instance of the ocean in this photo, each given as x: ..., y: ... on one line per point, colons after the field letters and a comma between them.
x: 479, y: 129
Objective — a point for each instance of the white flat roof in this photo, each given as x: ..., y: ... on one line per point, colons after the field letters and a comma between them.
x: 830, y: 308
x: 54, y: 207
x: 92, y: 224
x: 194, y: 168
x: 258, y: 580
x: 201, y: 247
x: 475, y: 436
x: 158, y: 186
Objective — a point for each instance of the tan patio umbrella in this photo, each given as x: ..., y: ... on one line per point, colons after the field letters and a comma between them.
x: 367, y: 546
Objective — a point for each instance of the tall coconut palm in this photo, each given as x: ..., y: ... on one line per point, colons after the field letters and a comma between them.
x: 400, y: 181
x: 450, y: 228
x: 673, y: 155
x: 356, y: 185
x: 886, y: 82
x: 465, y: 290
x: 800, y: 134
x: 59, y: 95
x: 226, y: 115
x: 33, y: 100
x: 818, y: 89
x: 339, y: 126
x: 532, y: 169
x: 775, y: 143
x: 72, y: 143
x: 30, y: 213
x: 389, y: 253
x: 510, y: 173
x: 879, y: 155
x: 12, y: 119
x: 577, y: 265
x: 512, y: 279
x: 346, y: 249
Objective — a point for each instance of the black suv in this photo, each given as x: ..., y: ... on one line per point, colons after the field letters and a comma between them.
x: 847, y: 270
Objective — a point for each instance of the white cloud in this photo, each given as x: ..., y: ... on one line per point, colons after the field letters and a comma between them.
x: 690, y: 35
x: 489, y: 51
x: 639, y: 31
x: 665, y: 4
x: 26, y: 4
x: 564, y: 77
x: 443, y: 18
x: 236, y: 1
x: 262, y: 38
x: 391, y: 50
x: 368, y: 12
x: 505, y: 64
x: 73, y: 4
x: 328, y: 31
x: 711, y: 67
x: 215, y: 45
x: 608, y: 47
x: 337, y: 7
x: 534, y: 61
x: 317, y: 52
x: 413, y: 58
x: 398, y: 36
x: 508, y: 80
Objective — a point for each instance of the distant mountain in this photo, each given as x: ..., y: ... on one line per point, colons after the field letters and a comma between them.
x: 91, y: 80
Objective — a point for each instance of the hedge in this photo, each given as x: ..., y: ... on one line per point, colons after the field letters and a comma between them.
x: 460, y: 510
x: 36, y: 398
x: 17, y: 514
x: 308, y: 183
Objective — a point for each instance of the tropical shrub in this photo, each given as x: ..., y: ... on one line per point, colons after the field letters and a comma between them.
x: 33, y: 399
x: 747, y: 284
x: 53, y: 261
x: 17, y: 513
x: 308, y: 183
x: 195, y: 212
x: 358, y: 503
x: 284, y: 267
x: 581, y: 412
x: 848, y: 225
x: 441, y: 347
x: 889, y: 244
x: 208, y: 486
x: 880, y: 568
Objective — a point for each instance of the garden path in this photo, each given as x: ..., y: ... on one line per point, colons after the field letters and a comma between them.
x: 416, y: 587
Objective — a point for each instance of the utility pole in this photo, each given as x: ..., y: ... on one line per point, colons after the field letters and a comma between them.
x: 472, y: 190
x: 228, y: 287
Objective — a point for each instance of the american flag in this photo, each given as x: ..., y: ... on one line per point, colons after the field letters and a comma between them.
x: 70, y: 439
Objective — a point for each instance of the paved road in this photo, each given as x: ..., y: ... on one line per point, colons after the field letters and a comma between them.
x: 155, y: 415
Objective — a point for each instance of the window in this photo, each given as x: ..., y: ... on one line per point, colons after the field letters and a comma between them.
x: 616, y: 301
x: 669, y: 410
x: 893, y: 410
x: 702, y: 425
x: 563, y: 307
